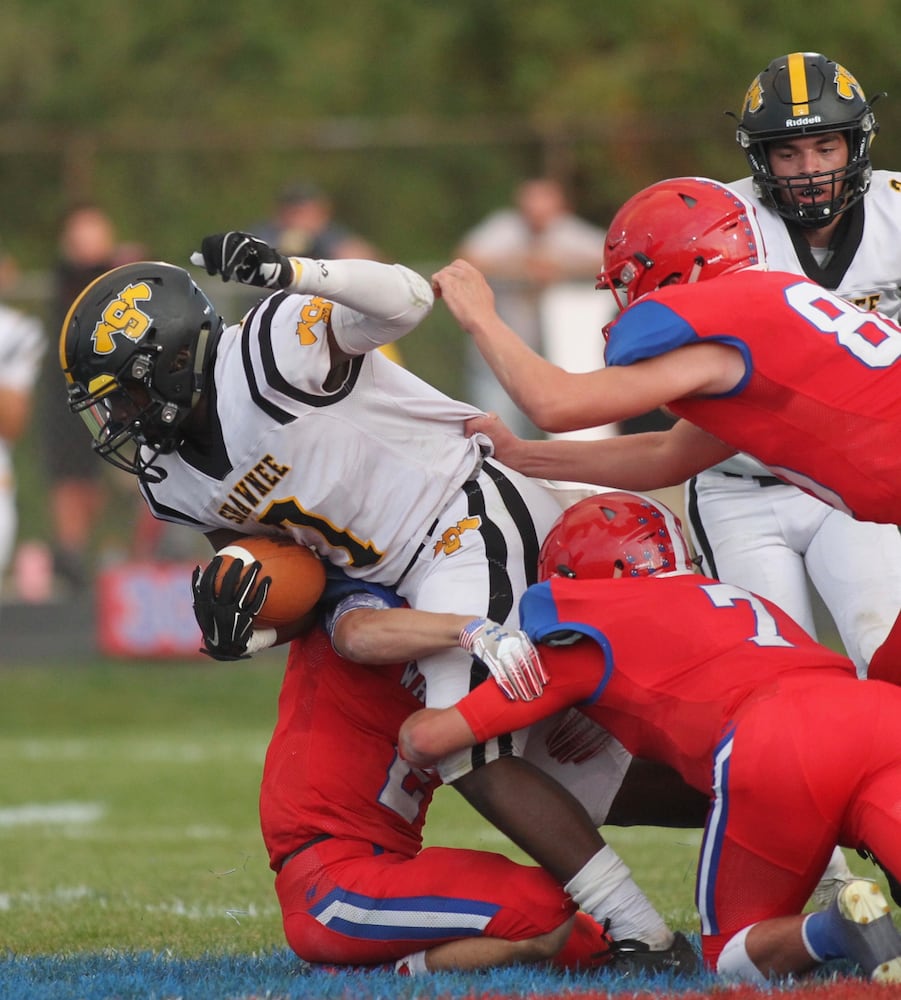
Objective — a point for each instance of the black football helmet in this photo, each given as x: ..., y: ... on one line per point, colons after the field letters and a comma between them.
x: 134, y: 348
x: 805, y: 93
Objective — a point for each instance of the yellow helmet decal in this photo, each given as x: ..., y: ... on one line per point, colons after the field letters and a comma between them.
x: 754, y: 97
x: 63, y: 360
x: 123, y: 315
x: 846, y: 86
x: 101, y: 385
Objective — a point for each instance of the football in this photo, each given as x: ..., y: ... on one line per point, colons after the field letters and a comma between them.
x: 298, y: 576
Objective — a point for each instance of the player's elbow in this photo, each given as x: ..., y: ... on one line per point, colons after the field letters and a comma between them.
x: 419, y: 740
x: 562, y: 401
x: 549, y: 411
x: 363, y: 635
x: 421, y: 295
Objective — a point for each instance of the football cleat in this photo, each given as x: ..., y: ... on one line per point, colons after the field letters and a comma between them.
x: 869, y: 934
x: 680, y: 959
x: 894, y: 886
x: 828, y: 888
x: 836, y: 875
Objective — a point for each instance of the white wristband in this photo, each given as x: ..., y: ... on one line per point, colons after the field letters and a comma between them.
x: 261, y: 638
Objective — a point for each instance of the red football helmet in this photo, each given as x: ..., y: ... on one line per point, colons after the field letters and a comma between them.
x: 675, y: 232
x: 610, y: 531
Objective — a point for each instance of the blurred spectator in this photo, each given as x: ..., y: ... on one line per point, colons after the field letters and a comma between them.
x: 21, y: 346
x: 87, y: 247
x: 303, y: 225
x: 541, y: 261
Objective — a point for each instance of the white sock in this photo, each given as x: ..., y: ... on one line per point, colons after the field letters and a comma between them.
x: 734, y: 961
x: 604, y: 888
x: 412, y: 965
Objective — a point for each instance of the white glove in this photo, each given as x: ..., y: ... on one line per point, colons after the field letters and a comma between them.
x: 510, y: 656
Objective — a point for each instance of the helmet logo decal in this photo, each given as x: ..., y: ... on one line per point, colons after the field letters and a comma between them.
x: 846, y: 86
x: 754, y: 97
x: 122, y: 315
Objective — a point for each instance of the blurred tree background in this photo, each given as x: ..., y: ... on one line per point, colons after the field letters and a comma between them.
x: 418, y: 117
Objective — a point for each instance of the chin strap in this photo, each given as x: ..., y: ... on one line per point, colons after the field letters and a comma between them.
x: 199, y: 370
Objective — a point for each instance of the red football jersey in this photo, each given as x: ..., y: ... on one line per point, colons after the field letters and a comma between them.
x: 821, y: 401
x: 664, y: 665
x: 332, y: 765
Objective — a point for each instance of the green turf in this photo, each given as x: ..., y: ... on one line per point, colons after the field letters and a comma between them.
x: 128, y: 812
x: 141, y: 783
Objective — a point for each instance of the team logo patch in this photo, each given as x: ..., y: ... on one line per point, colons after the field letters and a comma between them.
x: 846, y: 86
x: 123, y: 315
x: 316, y: 311
x: 450, y: 540
x: 754, y: 97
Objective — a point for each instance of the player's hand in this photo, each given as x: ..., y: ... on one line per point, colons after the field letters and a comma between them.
x: 509, y: 655
x: 246, y: 259
x: 225, y: 613
x: 466, y: 293
x: 507, y: 448
x: 576, y: 738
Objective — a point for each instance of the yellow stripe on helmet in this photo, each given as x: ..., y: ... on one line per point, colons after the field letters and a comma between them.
x: 101, y: 385
x: 797, y: 79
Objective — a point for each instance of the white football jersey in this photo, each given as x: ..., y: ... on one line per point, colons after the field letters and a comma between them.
x: 866, y: 270
x: 358, y: 471
x: 21, y: 349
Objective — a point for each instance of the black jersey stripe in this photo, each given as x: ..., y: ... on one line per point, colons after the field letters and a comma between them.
x: 166, y: 513
x: 500, y: 588
x: 522, y: 518
x: 259, y: 326
x: 708, y: 566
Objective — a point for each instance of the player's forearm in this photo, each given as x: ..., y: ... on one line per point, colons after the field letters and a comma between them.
x: 432, y: 733
x: 554, y: 399
x: 630, y: 462
x: 392, y: 634
x: 390, y: 299
x: 532, y: 382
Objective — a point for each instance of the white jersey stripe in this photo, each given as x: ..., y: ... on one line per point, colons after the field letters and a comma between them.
x: 714, y: 832
x: 421, y: 917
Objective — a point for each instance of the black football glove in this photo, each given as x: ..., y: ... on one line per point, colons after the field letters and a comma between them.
x: 246, y: 259
x: 225, y: 614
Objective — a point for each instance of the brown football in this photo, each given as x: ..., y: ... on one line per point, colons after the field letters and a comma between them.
x: 298, y: 576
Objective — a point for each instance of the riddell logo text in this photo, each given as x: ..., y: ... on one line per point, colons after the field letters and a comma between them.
x: 809, y: 120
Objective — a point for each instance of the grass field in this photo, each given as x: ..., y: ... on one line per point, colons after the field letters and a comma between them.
x: 132, y: 863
